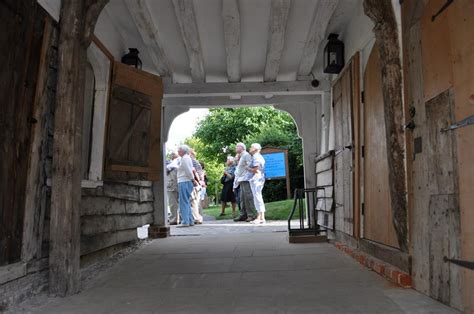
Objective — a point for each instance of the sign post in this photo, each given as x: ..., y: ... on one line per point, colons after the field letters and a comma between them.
x: 276, y: 166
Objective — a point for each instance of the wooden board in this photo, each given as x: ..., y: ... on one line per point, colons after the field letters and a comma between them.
x: 437, y: 61
x: 420, y: 211
x: 462, y: 43
x: 344, y: 156
x: 35, y: 198
x: 444, y: 213
x: 133, y: 149
x: 20, y: 48
x: 378, y: 224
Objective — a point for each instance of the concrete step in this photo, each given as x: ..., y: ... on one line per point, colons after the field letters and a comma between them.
x: 307, y: 238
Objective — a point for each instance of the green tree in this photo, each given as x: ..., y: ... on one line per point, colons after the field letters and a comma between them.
x: 224, y: 127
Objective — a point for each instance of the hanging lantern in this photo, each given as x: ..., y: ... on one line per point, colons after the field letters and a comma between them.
x: 131, y: 58
x: 333, y: 55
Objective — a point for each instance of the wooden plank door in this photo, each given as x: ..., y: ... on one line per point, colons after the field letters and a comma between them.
x: 344, y: 156
x: 133, y: 150
x: 378, y: 224
x: 444, y: 217
x: 20, y: 47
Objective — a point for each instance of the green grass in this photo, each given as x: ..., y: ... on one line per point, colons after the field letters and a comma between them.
x: 279, y: 210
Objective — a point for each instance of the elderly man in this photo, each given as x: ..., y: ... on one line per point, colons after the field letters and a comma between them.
x: 257, y: 167
x: 241, y: 182
x: 172, y: 187
x: 186, y: 184
x: 196, y: 194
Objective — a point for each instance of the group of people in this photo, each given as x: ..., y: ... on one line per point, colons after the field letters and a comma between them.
x: 186, y: 187
x: 243, y: 180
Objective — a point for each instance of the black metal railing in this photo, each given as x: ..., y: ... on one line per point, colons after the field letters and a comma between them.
x: 304, y: 206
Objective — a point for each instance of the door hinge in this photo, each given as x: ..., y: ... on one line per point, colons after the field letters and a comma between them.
x: 362, y: 209
x: 362, y: 151
x: 362, y: 97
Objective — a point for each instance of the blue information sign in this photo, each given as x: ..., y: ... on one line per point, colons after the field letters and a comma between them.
x: 275, y: 165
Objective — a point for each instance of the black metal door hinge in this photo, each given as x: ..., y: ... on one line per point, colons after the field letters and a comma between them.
x: 362, y: 151
x: 362, y: 97
x: 444, y: 7
x: 362, y: 209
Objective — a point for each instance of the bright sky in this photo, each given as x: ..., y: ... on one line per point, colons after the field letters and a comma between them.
x: 184, y: 126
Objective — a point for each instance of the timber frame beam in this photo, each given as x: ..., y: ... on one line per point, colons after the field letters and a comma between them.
x: 231, y: 19
x: 322, y: 16
x: 78, y: 19
x: 243, y: 88
x: 223, y: 101
x: 280, y: 9
x: 187, y: 23
x: 146, y: 27
x: 386, y: 32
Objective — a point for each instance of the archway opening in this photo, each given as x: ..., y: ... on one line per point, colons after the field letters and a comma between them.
x: 213, y: 135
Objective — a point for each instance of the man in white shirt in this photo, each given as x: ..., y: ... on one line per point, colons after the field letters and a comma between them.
x: 172, y: 187
x: 241, y: 182
x: 196, y: 194
x: 185, y: 186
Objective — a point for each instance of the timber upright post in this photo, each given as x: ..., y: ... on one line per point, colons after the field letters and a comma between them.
x: 382, y: 14
x: 64, y: 257
x: 77, y: 22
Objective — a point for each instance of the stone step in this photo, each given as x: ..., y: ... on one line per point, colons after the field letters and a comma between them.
x: 307, y: 238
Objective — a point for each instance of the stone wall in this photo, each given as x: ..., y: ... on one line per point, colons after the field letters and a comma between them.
x: 110, y: 214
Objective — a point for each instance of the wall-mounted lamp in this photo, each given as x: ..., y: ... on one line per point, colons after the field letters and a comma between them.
x: 131, y: 58
x: 333, y: 55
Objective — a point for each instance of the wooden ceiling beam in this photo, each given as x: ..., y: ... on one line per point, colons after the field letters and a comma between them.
x: 280, y: 10
x: 242, y: 88
x: 184, y: 10
x: 149, y: 33
x: 231, y: 19
x: 220, y: 101
x: 322, y: 15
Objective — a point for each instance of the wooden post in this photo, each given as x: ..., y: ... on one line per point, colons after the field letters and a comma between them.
x: 386, y: 32
x: 64, y: 257
x: 77, y: 22
x: 288, y: 182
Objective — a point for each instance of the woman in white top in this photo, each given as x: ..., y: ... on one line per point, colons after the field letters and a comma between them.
x: 257, y: 167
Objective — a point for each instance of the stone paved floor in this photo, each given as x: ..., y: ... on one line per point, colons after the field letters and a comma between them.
x: 221, y: 227
x: 241, y: 273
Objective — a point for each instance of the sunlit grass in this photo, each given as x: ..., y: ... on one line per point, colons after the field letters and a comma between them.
x: 279, y: 210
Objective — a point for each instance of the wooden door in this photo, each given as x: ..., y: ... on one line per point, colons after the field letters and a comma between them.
x: 20, y: 46
x: 133, y: 149
x: 378, y: 224
x: 344, y: 156
x: 444, y: 213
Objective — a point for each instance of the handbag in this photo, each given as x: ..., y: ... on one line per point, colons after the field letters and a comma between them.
x: 223, y: 179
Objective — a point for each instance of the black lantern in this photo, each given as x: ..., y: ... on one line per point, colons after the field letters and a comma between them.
x: 333, y: 55
x: 131, y: 58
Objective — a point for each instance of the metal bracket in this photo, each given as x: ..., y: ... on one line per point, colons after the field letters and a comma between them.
x: 466, y: 264
x: 444, y: 7
x: 464, y: 122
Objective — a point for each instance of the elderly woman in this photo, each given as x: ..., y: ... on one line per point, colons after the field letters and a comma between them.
x: 227, y: 180
x: 257, y: 167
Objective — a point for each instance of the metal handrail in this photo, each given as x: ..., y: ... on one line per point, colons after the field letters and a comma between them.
x: 299, y: 196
